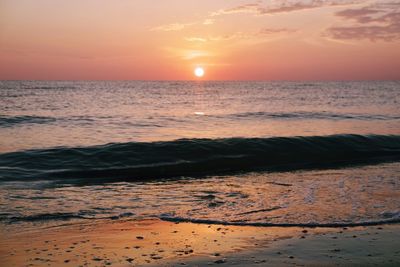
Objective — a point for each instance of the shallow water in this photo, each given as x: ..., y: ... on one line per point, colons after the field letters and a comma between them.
x: 349, y: 196
x: 254, y: 152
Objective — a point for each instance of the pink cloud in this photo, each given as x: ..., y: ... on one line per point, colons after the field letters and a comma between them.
x: 282, y: 6
x: 377, y: 22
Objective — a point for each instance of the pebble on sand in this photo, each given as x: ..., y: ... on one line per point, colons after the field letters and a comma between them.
x: 220, y: 261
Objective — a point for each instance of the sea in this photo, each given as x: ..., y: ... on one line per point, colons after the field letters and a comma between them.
x: 216, y: 152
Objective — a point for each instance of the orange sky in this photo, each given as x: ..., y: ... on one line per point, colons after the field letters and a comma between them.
x: 232, y: 40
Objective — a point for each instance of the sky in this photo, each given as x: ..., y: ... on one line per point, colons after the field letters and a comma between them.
x: 168, y: 39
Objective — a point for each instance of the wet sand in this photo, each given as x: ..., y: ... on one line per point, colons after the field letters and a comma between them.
x: 160, y: 243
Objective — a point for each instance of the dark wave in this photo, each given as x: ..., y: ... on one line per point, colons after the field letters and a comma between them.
x: 55, y: 87
x: 194, y: 157
x: 393, y: 220
x: 313, y: 115
x: 61, y: 216
x: 10, y: 121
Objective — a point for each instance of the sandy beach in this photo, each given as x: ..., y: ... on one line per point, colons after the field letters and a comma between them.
x: 160, y: 243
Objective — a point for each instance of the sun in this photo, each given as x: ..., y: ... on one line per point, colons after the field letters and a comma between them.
x: 199, y: 72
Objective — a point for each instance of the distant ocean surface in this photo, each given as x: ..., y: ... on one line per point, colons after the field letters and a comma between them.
x: 246, y: 153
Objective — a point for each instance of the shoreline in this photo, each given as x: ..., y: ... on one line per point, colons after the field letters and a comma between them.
x: 161, y: 243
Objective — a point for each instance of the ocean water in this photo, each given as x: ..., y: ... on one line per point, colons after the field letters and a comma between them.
x: 251, y: 153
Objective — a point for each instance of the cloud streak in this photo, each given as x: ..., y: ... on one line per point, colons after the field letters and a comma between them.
x: 174, y: 27
x: 171, y: 27
x: 263, y: 33
x: 285, y: 6
x: 377, y: 22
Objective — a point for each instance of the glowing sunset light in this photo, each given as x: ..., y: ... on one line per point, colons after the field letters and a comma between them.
x: 280, y: 40
x: 199, y: 72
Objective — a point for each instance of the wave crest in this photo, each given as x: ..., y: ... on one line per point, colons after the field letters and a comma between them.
x: 10, y: 121
x: 391, y: 220
x: 194, y: 157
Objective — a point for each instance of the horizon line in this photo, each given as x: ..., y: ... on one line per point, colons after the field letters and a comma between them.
x: 192, y: 80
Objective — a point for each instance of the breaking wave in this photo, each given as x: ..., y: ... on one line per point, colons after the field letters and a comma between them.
x: 391, y: 220
x: 196, y: 157
x: 10, y: 121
